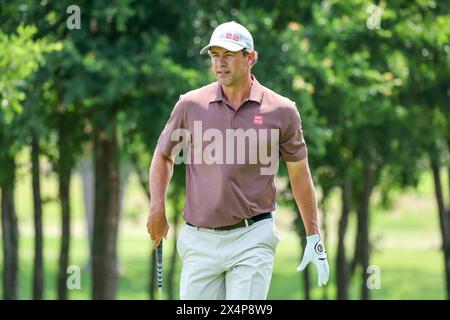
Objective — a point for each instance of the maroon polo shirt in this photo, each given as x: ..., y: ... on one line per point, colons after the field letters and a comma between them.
x: 224, y: 181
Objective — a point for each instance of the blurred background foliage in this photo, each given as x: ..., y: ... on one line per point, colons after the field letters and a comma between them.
x: 81, y: 111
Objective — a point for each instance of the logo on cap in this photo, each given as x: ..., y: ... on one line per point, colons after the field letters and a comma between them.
x: 232, y: 36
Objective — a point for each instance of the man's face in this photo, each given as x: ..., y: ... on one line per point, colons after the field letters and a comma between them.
x: 230, y: 68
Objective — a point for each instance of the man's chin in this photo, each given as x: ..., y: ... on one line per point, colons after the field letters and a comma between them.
x: 223, y: 82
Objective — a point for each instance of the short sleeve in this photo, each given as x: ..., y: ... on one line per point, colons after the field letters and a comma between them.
x: 169, y: 138
x: 292, y: 143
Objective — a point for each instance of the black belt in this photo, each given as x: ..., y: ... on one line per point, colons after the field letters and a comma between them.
x: 243, y: 223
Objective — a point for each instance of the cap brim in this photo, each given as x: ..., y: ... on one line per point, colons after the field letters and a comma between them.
x: 231, y: 46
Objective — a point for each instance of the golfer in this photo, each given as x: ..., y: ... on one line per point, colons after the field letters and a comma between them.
x: 232, y: 134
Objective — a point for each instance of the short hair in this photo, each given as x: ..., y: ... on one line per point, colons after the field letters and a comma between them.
x: 246, y: 52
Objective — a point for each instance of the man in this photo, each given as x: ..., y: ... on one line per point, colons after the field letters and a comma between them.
x: 229, y: 241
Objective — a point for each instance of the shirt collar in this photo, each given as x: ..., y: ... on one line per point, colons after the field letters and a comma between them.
x: 256, y: 92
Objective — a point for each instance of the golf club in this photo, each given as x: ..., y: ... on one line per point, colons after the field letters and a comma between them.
x: 159, y: 273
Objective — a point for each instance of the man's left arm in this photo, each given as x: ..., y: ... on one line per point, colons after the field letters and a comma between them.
x: 305, y: 196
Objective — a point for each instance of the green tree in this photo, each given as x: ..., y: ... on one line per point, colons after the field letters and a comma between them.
x: 20, y: 57
x: 422, y: 37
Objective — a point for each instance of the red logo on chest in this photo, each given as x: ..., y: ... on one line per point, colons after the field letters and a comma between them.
x: 258, y: 119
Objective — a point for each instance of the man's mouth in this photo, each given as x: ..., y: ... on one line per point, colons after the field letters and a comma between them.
x: 223, y: 72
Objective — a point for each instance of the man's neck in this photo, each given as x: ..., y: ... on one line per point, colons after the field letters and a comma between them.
x: 236, y: 95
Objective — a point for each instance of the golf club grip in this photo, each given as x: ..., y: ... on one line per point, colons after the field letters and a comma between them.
x: 159, y: 264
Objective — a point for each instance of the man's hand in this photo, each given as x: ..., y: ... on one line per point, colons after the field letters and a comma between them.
x: 157, y: 225
x: 315, y: 252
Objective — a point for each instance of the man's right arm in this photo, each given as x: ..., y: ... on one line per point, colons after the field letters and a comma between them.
x: 161, y: 170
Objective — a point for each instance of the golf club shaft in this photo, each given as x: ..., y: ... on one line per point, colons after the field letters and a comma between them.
x: 159, y: 273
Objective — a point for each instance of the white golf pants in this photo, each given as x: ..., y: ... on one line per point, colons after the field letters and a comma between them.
x: 233, y: 265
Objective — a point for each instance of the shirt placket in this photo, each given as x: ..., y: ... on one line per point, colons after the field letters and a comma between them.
x: 235, y: 114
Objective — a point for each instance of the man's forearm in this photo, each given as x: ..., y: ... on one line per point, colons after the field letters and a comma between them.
x: 305, y: 197
x: 161, y: 170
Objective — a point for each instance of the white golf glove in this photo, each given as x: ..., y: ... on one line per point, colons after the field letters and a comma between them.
x: 315, y: 252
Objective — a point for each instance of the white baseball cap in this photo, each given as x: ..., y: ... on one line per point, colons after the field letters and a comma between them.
x: 231, y: 36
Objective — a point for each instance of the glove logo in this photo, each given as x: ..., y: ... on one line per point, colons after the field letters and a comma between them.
x: 319, y: 248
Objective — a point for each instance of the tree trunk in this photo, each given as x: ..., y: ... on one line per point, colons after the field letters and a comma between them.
x: 362, y: 245
x: 64, y: 172
x: 306, y: 284
x: 64, y: 191
x: 448, y: 174
x: 299, y: 228
x: 38, y: 274
x: 144, y: 185
x: 363, y: 228
x: 106, y: 213
x: 305, y: 273
x: 173, y: 257
x: 87, y: 177
x: 341, y: 260
x: 324, y: 227
x: 143, y: 182
x: 87, y: 174
x: 10, y: 234
x: 444, y: 222
x: 302, y: 234
x: 357, y: 255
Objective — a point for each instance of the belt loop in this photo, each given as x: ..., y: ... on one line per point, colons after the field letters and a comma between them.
x: 196, y: 228
x: 246, y: 223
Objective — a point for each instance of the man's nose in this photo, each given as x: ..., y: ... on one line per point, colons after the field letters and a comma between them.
x: 221, y: 61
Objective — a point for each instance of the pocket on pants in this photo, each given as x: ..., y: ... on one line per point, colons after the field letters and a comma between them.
x: 275, y: 234
x: 181, y: 246
x: 271, y: 236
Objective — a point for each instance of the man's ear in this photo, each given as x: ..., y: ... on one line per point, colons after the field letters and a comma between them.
x: 251, y: 58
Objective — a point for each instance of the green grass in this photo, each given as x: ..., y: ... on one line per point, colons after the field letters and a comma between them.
x: 406, y: 241
x: 405, y: 273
